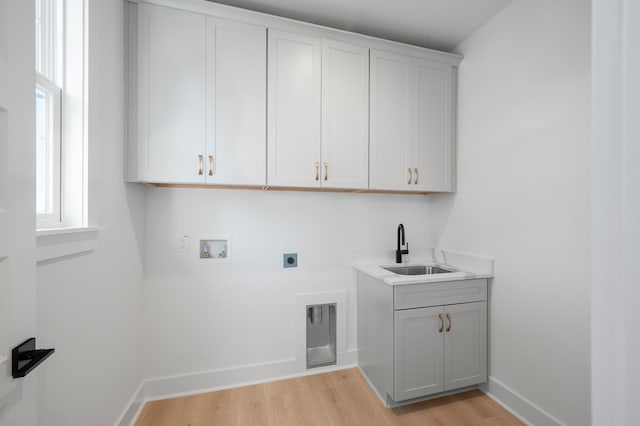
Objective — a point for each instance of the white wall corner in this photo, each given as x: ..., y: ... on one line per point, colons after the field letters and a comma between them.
x: 134, y: 408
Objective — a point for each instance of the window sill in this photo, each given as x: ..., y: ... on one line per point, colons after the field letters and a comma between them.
x: 58, y: 243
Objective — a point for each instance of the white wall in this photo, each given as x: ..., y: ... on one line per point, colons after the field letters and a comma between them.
x: 524, y: 197
x: 616, y: 209
x: 89, y: 307
x: 201, y: 317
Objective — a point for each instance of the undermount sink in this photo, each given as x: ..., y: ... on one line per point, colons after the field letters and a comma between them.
x: 418, y: 270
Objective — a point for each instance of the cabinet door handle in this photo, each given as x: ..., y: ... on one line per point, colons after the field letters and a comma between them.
x: 201, y: 163
x: 416, y: 181
x: 410, y: 176
x: 441, y: 323
x: 211, y: 165
x: 326, y: 170
x: 317, y: 170
x: 449, y: 318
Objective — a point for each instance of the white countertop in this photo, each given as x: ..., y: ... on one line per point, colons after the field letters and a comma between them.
x: 467, y: 267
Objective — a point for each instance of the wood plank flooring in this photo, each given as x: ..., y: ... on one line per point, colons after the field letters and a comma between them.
x: 336, y: 398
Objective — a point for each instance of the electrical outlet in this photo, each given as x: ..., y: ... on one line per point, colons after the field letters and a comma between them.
x: 290, y: 260
x: 182, y: 245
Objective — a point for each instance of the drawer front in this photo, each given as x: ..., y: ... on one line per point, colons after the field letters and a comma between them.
x: 439, y: 293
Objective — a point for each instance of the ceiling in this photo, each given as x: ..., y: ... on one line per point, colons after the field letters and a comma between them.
x: 437, y: 24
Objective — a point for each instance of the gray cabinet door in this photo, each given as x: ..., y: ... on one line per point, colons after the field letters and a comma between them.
x: 418, y: 352
x: 465, y: 345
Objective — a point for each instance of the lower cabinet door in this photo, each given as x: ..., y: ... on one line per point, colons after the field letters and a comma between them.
x: 465, y: 345
x: 418, y: 352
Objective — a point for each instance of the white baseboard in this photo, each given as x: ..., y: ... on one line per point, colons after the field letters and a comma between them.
x: 387, y: 402
x: 210, y: 381
x: 517, y: 405
x: 133, y: 409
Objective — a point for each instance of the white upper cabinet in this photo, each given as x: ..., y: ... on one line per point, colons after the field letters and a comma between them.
x: 434, y: 120
x: 236, y: 103
x: 294, y: 85
x: 412, y: 119
x: 201, y: 98
x: 171, y: 94
x: 216, y: 98
x: 318, y: 112
x: 391, y: 131
x: 345, y: 115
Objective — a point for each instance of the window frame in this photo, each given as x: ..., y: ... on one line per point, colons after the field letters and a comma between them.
x: 66, y: 64
x: 52, y: 217
x: 49, y: 25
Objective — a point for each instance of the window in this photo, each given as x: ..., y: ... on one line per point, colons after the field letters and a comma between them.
x: 60, y: 114
x: 48, y: 152
x: 48, y: 102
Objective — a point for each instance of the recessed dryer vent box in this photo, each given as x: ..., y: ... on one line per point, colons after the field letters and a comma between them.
x: 214, y: 250
x: 321, y: 335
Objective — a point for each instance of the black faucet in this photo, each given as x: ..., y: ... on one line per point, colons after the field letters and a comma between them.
x: 401, y: 242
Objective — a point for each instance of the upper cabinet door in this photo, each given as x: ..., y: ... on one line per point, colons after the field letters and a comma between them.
x: 236, y: 103
x: 391, y: 121
x: 171, y: 95
x: 345, y: 115
x: 294, y: 87
x: 434, y: 120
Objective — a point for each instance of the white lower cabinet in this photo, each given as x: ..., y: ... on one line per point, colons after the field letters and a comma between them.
x: 421, y: 339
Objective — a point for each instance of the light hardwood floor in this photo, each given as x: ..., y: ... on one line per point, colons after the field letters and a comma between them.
x: 336, y: 398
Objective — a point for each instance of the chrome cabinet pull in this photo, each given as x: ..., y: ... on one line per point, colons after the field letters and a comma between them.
x: 416, y: 181
x: 201, y: 163
x: 449, y: 318
x: 410, y: 176
x: 441, y: 323
x: 326, y: 170
x: 317, y: 170
x: 211, y: 165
